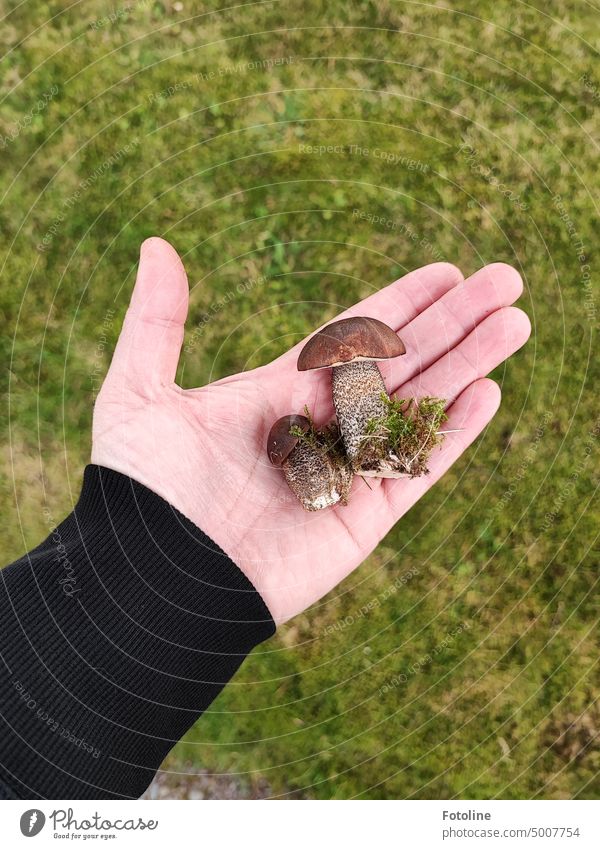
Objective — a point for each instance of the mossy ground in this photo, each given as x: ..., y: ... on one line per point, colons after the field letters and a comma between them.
x: 326, y: 438
x: 407, y: 435
x: 457, y: 132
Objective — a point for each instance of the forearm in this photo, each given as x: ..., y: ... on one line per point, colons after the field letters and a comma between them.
x: 116, y: 634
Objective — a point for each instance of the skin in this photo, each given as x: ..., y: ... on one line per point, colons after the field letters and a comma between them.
x: 203, y: 450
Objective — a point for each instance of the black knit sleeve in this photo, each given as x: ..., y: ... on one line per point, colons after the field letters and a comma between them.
x: 116, y: 633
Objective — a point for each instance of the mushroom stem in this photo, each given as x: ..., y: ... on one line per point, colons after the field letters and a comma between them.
x: 314, y: 479
x: 357, y: 397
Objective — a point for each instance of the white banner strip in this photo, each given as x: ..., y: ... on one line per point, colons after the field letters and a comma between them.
x: 304, y: 825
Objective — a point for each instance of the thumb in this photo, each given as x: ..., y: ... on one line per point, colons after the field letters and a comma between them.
x: 152, y: 334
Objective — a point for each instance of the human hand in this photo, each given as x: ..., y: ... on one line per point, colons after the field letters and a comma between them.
x: 204, y: 450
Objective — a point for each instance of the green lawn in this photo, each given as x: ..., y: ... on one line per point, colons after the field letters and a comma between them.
x: 467, y: 133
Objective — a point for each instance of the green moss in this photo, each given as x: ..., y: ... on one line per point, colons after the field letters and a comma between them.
x: 409, y: 432
x: 326, y: 439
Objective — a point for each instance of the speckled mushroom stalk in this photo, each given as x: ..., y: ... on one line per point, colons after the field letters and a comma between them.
x: 357, y: 397
x: 351, y: 347
x: 317, y: 479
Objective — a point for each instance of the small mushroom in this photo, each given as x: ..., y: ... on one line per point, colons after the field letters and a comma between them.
x: 351, y: 348
x: 317, y: 476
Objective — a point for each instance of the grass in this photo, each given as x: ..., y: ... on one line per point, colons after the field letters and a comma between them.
x: 467, y: 133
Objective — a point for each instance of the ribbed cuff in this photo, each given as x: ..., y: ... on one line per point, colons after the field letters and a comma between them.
x: 117, y: 633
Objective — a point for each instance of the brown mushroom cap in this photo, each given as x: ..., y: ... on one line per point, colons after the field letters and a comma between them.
x: 281, y: 443
x: 348, y: 340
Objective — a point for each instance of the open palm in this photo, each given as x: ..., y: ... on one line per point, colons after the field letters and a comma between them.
x: 203, y: 450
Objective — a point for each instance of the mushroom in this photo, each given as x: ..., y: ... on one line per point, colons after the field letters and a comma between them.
x: 351, y: 348
x: 317, y: 474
